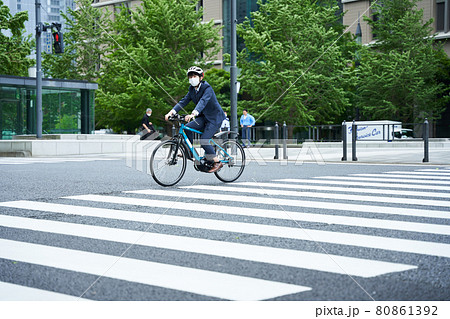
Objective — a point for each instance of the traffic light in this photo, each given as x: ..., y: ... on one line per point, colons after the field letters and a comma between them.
x: 58, y: 43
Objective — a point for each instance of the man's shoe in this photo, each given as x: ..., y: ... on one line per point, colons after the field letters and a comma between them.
x: 216, y: 167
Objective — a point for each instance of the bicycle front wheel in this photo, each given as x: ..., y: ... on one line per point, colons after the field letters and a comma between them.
x: 168, y: 163
x: 232, y: 155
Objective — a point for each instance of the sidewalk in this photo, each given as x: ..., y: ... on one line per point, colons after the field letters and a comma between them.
x: 401, y: 151
x: 397, y: 152
x: 65, y: 144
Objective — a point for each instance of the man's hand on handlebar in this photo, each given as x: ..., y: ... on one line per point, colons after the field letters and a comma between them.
x: 171, y: 116
x: 189, y: 117
x: 166, y: 117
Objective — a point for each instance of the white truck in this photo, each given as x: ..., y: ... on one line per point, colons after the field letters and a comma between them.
x: 374, y: 130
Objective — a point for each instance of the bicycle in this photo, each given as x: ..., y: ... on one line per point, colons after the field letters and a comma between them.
x: 169, y: 159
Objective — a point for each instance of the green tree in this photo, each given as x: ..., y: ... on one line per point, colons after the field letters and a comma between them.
x: 398, y: 73
x: 84, y: 43
x: 294, y: 66
x: 219, y: 79
x: 67, y: 122
x: 14, y: 48
x: 152, y: 48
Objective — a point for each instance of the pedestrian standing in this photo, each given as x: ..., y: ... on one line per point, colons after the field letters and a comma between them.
x: 247, y: 121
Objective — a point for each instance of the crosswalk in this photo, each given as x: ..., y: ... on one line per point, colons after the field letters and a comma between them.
x: 358, y: 226
x: 11, y: 292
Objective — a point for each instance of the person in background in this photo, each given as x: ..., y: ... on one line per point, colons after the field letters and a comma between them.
x: 247, y: 121
x: 148, y: 128
x: 225, y: 124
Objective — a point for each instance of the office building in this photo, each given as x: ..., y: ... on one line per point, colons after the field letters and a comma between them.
x: 50, y: 12
x: 438, y: 10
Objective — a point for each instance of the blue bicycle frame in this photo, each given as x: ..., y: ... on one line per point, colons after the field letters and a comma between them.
x: 188, y: 143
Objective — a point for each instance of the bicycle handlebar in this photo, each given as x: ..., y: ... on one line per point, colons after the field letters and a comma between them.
x: 176, y: 117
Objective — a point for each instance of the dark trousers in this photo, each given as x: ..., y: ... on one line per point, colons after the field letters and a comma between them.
x: 208, y: 129
x: 146, y: 135
x: 246, y: 134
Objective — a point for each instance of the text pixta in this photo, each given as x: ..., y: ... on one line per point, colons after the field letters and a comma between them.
x: 337, y: 311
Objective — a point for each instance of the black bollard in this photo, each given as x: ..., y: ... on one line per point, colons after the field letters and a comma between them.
x: 426, y: 136
x: 354, y: 137
x: 285, y: 156
x: 276, y: 141
x: 344, y: 141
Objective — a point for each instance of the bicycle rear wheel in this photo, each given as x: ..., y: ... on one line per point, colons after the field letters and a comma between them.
x: 168, y: 163
x: 233, y: 158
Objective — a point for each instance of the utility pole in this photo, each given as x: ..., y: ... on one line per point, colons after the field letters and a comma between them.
x: 233, y: 73
x: 39, y: 28
x: 59, y: 48
x: 358, y: 34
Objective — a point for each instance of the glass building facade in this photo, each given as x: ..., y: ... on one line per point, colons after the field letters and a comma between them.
x: 67, y: 106
x: 243, y: 10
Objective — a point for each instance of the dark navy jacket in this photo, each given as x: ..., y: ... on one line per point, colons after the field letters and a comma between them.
x: 206, y: 103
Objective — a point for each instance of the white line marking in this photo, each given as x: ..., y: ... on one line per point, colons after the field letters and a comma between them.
x: 255, y: 212
x: 406, y: 176
x: 365, y: 190
x: 436, y: 173
x: 13, y: 292
x: 299, y: 203
x: 203, y: 282
x: 277, y: 256
x: 386, y: 180
x: 327, y: 181
x: 445, y: 170
x: 349, y: 197
x: 377, y: 242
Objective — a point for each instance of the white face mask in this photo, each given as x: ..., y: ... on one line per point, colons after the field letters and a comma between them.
x: 194, y: 81
x: 148, y: 114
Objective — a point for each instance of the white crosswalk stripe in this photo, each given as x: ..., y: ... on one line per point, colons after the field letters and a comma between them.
x: 416, y: 204
x: 407, y: 176
x: 358, y: 177
x: 355, y: 181
x: 301, y: 185
x: 393, y: 244
x: 294, y: 203
x: 270, y: 192
x: 12, y: 292
x: 435, y: 173
x: 151, y: 273
x: 286, y: 257
x: 444, y: 170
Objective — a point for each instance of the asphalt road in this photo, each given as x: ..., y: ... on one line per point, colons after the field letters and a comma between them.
x: 278, y: 245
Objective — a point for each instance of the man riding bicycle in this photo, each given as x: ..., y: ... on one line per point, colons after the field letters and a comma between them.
x: 208, y: 114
